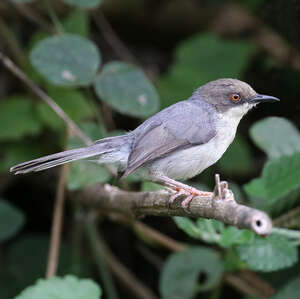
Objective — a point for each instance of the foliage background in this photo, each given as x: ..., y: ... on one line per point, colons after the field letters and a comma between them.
x: 110, y: 64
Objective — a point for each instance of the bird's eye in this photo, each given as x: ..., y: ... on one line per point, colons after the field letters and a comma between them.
x: 235, y: 97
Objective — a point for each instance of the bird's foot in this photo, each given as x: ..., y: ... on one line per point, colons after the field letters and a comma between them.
x: 179, y: 189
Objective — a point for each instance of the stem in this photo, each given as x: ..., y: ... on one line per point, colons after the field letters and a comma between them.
x: 96, y: 247
x: 12, y: 44
x: 55, y: 20
x: 57, y: 223
x: 112, y: 38
x: 289, y: 233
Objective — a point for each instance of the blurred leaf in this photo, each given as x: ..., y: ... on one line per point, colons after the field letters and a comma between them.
x: 232, y: 261
x: 77, y: 23
x: 268, y: 254
x: 68, y: 287
x: 71, y: 101
x: 208, y: 230
x: 15, y: 153
x: 201, y: 59
x: 181, y: 272
x: 127, y: 89
x: 237, y: 160
x: 83, y: 173
x: 11, y: 220
x: 276, y: 136
x: 234, y: 236
x: 279, y: 178
x: 290, y: 290
x: 84, y: 3
x: 93, y: 130
x: 66, y: 59
x: 18, y: 117
x: 149, y: 186
x: 188, y: 226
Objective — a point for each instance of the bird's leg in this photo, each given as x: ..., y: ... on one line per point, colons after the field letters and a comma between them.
x: 181, y: 189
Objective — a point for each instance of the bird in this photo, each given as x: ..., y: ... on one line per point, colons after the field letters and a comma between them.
x: 175, y: 144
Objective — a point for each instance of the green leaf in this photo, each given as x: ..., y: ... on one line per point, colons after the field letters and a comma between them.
x: 234, y: 236
x: 68, y: 287
x: 208, y: 230
x: 188, y: 226
x: 84, y: 3
x: 66, y: 59
x: 126, y: 89
x: 18, y: 117
x: 71, y: 101
x: 232, y: 261
x: 11, y: 220
x: 149, y: 186
x: 199, y: 60
x: 179, y: 276
x: 289, y: 291
x: 279, y: 178
x: 83, y: 173
x: 77, y: 23
x: 237, y: 160
x: 276, y: 136
x: 268, y: 254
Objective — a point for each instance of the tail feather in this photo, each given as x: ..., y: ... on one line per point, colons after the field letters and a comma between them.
x: 102, y: 146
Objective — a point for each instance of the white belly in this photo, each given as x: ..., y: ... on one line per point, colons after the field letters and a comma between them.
x: 187, y: 163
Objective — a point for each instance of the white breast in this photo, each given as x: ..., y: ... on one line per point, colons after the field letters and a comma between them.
x: 184, y: 164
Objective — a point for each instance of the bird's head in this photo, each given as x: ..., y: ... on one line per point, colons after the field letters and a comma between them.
x: 232, y: 96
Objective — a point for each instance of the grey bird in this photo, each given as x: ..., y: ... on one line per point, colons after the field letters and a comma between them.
x: 177, y: 143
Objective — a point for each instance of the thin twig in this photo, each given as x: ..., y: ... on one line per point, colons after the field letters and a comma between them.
x: 112, y: 38
x: 112, y: 199
x: 12, y: 43
x: 160, y: 238
x: 57, y: 223
x: 55, y: 20
x: 8, y: 63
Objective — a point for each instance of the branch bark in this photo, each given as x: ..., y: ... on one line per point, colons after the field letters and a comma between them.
x: 213, y: 206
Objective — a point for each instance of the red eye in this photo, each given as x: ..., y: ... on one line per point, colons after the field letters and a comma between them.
x: 235, y: 97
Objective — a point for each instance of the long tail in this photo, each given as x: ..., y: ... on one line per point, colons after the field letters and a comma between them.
x: 105, y: 145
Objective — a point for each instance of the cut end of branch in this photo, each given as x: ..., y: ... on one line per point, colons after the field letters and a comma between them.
x: 261, y: 223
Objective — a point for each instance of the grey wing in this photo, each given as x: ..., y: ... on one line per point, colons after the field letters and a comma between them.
x: 180, y: 126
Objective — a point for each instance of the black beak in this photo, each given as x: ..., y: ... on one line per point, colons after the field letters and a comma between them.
x: 262, y: 98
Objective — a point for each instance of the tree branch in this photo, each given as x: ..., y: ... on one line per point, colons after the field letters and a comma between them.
x: 213, y: 206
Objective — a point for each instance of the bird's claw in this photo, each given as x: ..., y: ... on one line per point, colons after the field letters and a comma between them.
x: 189, y: 195
x: 221, y: 190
